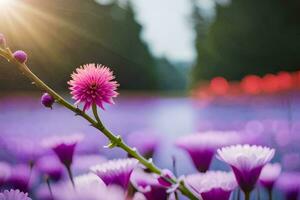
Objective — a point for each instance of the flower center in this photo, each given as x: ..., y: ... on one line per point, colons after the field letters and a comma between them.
x: 92, y: 91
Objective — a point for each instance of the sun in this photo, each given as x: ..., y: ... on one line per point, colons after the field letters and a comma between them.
x: 5, y: 4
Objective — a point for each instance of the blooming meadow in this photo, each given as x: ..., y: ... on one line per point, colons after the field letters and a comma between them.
x: 60, y: 167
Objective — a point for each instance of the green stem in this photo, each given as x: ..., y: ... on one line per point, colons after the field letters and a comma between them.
x: 31, y: 165
x: 176, y: 196
x: 270, y: 194
x: 258, y: 193
x: 238, y: 194
x: 70, y: 174
x: 247, y: 195
x: 115, y: 140
x: 95, y: 112
x: 49, y: 186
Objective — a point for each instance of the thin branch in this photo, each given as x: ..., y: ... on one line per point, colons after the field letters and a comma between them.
x: 115, y: 140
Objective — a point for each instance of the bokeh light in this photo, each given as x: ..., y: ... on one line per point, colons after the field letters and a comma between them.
x: 219, y: 85
x: 252, y: 84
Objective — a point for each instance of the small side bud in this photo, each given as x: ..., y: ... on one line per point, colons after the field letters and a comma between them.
x: 110, y: 146
x: 20, y: 56
x: 47, y: 100
x: 2, y: 41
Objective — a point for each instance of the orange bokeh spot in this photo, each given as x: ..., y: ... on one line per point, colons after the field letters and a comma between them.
x: 251, y: 84
x: 285, y: 80
x: 219, y: 85
x: 296, y: 79
x: 270, y: 83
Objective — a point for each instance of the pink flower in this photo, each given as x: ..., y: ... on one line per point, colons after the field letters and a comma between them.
x: 93, y: 84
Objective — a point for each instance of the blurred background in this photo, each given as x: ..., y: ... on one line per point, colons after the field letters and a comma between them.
x: 184, y: 66
x: 152, y: 46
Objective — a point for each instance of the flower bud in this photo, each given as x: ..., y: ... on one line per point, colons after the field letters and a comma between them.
x: 166, y: 175
x: 20, y: 56
x: 47, y: 100
x: 2, y: 41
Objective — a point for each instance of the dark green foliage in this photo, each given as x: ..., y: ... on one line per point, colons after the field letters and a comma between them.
x: 172, y: 77
x: 248, y: 37
x: 60, y: 35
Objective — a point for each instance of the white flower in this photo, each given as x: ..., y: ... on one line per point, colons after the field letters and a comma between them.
x: 246, y: 162
x: 143, y: 181
x: 115, y: 166
x: 14, y: 195
x: 246, y: 157
x: 148, y: 184
x: 88, y: 187
x: 116, y: 172
x: 270, y: 172
x: 88, y: 180
x: 205, y: 182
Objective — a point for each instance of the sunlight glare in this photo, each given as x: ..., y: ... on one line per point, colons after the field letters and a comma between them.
x: 5, y: 3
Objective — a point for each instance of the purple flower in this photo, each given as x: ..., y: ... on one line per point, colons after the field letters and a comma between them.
x: 50, y: 166
x: 93, y: 84
x: 146, y: 143
x: 43, y: 193
x: 88, y: 187
x: 82, y: 163
x: 269, y: 175
x: 291, y: 161
x: 25, y: 149
x: 246, y: 162
x: 2, y: 41
x: 212, y: 185
x: 116, y: 172
x: 47, y: 100
x: 202, y: 146
x: 166, y: 174
x: 148, y: 185
x: 20, y: 56
x: 289, y: 184
x: 63, y: 147
x: 20, y: 177
x: 14, y: 195
x: 5, y: 171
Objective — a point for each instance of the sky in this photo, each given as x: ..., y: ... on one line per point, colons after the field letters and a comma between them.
x: 166, y: 27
